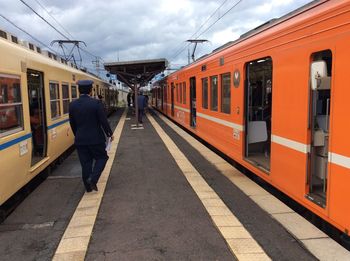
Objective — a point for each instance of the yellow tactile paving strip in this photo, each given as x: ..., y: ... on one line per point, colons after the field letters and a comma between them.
x: 76, y: 238
x: 240, y: 242
x: 317, y: 242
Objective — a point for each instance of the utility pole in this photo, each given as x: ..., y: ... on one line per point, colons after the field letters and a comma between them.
x: 97, y: 65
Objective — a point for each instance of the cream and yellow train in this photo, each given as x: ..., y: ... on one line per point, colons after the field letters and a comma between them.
x: 36, y: 88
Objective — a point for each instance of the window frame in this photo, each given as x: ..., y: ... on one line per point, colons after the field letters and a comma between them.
x: 211, y: 105
x: 184, y: 92
x: 57, y: 100
x: 71, y: 92
x: 65, y: 99
x: 180, y: 91
x: 16, y: 104
x: 206, y: 104
x: 222, y: 92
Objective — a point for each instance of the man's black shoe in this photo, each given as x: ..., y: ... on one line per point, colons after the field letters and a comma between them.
x: 93, y: 186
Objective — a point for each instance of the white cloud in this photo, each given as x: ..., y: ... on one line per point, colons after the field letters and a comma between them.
x: 138, y: 29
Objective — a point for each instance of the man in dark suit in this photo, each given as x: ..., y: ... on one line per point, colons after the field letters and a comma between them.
x: 90, y: 127
x: 141, y: 104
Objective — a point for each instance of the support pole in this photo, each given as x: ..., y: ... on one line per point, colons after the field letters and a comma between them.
x: 136, y: 104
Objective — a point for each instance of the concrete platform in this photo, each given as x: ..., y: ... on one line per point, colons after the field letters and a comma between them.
x: 162, y: 196
x: 35, y: 228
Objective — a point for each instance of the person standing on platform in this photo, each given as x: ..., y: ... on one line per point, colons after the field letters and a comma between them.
x: 100, y: 97
x: 90, y: 127
x: 142, y: 104
x: 128, y: 98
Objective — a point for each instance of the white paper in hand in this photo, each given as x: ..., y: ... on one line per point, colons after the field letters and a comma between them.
x: 108, y: 144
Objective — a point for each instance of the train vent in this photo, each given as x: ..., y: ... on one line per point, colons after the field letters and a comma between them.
x: 14, y: 39
x: 3, y: 34
x: 204, y: 67
x: 49, y: 54
x: 222, y: 61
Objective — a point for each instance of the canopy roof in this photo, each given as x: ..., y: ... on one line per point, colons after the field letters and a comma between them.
x: 137, y: 72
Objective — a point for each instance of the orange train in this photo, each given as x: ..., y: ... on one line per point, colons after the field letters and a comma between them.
x: 277, y: 102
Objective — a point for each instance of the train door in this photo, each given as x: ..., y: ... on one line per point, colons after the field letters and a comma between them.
x: 193, y: 122
x: 258, y: 112
x: 162, y: 97
x: 320, y: 101
x: 172, y: 99
x: 37, y: 113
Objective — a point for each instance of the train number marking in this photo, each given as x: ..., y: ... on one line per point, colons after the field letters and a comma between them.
x: 53, y: 134
x: 236, y: 134
x: 23, y: 148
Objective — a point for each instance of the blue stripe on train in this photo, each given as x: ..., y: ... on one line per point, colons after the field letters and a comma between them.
x: 57, y: 124
x: 15, y: 141
x: 27, y: 136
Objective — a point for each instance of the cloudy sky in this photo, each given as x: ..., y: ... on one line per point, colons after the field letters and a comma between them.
x: 141, y: 29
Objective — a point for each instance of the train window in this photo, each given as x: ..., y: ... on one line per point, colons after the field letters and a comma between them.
x: 3, y: 34
x: 205, y: 93
x: 11, y: 109
x: 55, y: 100
x: 14, y: 39
x: 38, y: 49
x: 226, y: 93
x: 180, y: 91
x: 177, y: 92
x: 65, y: 97
x: 184, y: 92
x: 74, y: 92
x: 214, y: 93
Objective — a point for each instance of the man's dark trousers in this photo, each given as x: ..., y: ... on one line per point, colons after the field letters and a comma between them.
x: 87, y: 154
x: 141, y: 113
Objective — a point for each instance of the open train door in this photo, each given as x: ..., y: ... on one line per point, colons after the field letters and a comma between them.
x: 258, y: 101
x: 320, y: 127
x: 37, y: 113
x: 193, y: 112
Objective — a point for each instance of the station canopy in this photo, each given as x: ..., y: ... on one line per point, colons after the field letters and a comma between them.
x: 136, y: 73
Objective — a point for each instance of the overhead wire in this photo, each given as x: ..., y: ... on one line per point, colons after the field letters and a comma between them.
x: 53, y: 27
x: 43, y: 7
x: 24, y: 31
x: 201, y: 26
x: 58, y: 31
x: 210, y: 26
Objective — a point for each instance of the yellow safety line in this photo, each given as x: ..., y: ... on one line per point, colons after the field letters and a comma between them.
x: 316, y: 241
x: 75, y: 240
x: 239, y: 240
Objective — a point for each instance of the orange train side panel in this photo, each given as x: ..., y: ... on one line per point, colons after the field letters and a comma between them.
x: 290, y: 89
x: 340, y: 129
x: 288, y: 170
x: 339, y: 177
x: 339, y: 209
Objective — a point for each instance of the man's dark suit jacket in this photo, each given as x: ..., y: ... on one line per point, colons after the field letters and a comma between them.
x: 88, y: 121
